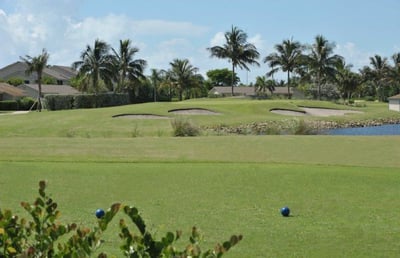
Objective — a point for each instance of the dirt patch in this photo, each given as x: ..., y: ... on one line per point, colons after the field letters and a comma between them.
x: 140, y: 116
x: 323, y: 112
x: 193, y: 111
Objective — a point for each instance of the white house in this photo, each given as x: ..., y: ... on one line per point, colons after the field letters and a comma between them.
x: 394, y: 103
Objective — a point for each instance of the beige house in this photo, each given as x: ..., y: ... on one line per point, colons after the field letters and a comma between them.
x: 394, y: 103
x: 226, y: 91
x: 32, y: 90
x: 9, y: 92
x: 61, y: 74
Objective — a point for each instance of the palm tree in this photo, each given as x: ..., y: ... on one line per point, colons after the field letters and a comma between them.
x: 155, y: 79
x: 321, y: 61
x: 96, y: 64
x: 287, y: 58
x: 126, y: 65
x: 37, y: 64
x: 378, y: 73
x: 262, y: 84
x: 347, y: 81
x: 237, y: 50
x: 395, y: 72
x: 183, y: 75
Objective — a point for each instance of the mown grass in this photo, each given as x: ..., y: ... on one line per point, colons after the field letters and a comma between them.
x: 336, y: 211
x: 342, y: 190
x: 95, y: 123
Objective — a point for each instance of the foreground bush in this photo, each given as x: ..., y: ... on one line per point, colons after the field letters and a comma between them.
x: 45, y: 236
x: 183, y: 127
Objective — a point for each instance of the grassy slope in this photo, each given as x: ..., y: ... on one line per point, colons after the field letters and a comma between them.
x: 94, y: 123
x: 342, y: 190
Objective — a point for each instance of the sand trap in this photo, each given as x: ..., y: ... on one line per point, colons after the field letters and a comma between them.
x: 140, y: 116
x: 193, y: 111
x: 324, y: 112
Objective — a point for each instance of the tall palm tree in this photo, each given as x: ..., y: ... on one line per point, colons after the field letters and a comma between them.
x: 321, y: 61
x: 183, y: 75
x: 126, y: 65
x: 347, y: 81
x: 37, y: 64
x: 378, y: 73
x: 287, y: 58
x: 395, y: 72
x: 96, y: 64
x: 239, y: 52
x: 155, y: 79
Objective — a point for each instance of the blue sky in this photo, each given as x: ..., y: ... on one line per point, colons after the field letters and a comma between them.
x: 168, y: 29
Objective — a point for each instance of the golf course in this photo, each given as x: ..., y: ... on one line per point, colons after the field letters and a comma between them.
x: 342, y: 191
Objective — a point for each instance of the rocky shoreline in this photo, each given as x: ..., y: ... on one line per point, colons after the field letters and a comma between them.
x: 294, y: 126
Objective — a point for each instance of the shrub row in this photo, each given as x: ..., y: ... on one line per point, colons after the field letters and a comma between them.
x: 20, y: 104
x: 59, y: 102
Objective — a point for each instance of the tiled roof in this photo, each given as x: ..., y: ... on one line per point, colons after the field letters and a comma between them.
x: 54, y: 89
x: 395, y: 97
x: 11, y: 90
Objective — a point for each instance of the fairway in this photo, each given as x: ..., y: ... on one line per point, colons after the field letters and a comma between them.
x: 342, y: 191
x: 336, y: 211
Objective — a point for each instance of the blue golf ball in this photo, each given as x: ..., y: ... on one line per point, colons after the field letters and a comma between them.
x: 100, y: 213
x: 285, y: 211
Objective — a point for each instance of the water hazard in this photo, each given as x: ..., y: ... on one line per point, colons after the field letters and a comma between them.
x: 391, y: 129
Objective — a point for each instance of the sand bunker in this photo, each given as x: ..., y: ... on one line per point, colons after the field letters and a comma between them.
x: 315, y: 112
x: 193, y: 111
x: 140, y: 116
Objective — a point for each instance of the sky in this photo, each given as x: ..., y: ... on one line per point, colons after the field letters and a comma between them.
x: 167, y: 29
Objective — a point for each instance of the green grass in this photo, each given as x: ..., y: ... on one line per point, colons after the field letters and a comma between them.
x: 337, y: 211
x: 343, y: 191
x: 99, y: 123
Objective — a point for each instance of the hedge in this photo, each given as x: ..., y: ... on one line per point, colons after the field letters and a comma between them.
x: 59, y: 102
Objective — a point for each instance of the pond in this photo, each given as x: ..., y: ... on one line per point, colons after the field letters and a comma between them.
x: 391, y: 129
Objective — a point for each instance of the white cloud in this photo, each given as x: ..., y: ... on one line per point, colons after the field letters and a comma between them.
x: 218, y: 39
x: 353, y: 55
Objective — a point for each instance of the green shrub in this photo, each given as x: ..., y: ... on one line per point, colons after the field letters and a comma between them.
x: 85, y: 101
x: 183, y: 127
x: 45, y: 236
x: 15, y: 81
x: 26, y: 103
x: 8, y: 105
x: 58, y: 102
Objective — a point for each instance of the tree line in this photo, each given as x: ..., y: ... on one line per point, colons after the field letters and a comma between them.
x: 312, y: 68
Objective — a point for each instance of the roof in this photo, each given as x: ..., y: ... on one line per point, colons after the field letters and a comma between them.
x: 57, y: 72
x: 395, y: 97
x: 11, y: 90
x: 54, y: 89
x: 247, y: 90
x: 228, y: 90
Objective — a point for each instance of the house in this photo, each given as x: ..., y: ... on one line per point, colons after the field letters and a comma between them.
x: 394, y: 103
x: 222, y: 91
x: 9, y: 92
x: 32, y: 90
x: 225, y: 91
x: 61, y: 74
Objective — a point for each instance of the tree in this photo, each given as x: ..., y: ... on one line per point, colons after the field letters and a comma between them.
x: 262, y: 84
x: 127, y: 67
x: 221, y: 77
x: 96, y: 64
x: 377, y: 73
x: 239, y: 52
x: 287, y: 58
x: 183, y: 75
x: 37, y: 64
x: 347, y: 81
x: 321, y: 62
x: 155, y: 79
